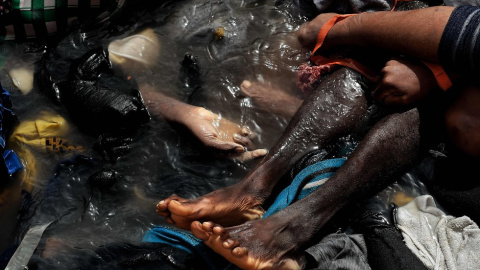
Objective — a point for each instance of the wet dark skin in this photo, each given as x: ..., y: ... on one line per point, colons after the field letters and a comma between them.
x: 390, y: 147
x: 249, y: 247
x: 311, y: 128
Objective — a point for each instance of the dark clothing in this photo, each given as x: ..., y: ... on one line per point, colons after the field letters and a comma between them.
x: 459, y: 48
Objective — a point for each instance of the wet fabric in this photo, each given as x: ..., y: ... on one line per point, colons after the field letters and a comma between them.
x: 94, y: 107
x: 42, y: 18
x: 9, y: 162
x: 459, y: 48
x: 29, y: 243
x: 384, y: 242
x: 454, y: 187
x: 48, y: 133
x: 440, y: 241
x: 338, y: 252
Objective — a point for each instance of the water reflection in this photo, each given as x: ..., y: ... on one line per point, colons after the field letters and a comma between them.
x: 162, y: 159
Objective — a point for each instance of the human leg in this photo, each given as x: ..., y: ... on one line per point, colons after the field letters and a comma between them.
x: 389, y: 148
x: 337, y: 107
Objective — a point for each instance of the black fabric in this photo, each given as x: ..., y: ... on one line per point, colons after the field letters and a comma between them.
x: 454, y: 186
x: 385, y: 246
x: 96, y: 107
x: 459, y: 48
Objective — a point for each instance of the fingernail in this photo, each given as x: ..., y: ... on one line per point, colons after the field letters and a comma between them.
x: 236, y: 136
x: 175, y: 202
x: 161, y: 202
x: 263, y: 152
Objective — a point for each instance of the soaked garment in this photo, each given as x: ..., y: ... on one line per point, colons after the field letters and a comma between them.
x: 440, y: 241
x: 384, y: 243
x: 41, y: 18
x: 46, y: 134
x: 8, y: 160
x: 451, y: 183
x: 459, y: 48
x: 94, y: 107
x: 338, y: 251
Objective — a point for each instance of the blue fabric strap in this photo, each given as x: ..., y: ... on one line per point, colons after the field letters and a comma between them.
x: 184, y: 241
x: 291, y: 193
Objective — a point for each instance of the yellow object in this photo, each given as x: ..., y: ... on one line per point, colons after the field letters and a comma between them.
x: 219, y: 33
x: 45, y: 134
x: 401, y: 198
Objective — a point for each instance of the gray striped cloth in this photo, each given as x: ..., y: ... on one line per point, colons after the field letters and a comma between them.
x: 42, y: 18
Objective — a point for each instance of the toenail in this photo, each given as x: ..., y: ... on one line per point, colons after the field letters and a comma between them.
x: 247, y: 83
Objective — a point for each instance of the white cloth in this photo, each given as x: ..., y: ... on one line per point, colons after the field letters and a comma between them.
x: 439, y: 240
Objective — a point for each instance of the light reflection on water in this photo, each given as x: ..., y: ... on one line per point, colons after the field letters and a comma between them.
x: 163, y: 159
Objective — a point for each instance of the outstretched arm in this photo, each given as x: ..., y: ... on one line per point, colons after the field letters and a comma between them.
x: 416, y: 33
x: 212, y: 130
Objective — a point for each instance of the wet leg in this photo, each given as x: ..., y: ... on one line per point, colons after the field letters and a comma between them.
x: 388, y: 150
x: 337, y: 107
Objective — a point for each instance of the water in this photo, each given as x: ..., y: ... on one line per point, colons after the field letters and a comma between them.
x: 163, y: 158
x: 96, y: 227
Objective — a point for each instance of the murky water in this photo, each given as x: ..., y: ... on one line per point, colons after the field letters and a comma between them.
x: 162, y: 159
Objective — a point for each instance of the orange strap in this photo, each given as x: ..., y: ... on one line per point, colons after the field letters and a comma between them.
x: 347, y: 62
x: 441, y: 76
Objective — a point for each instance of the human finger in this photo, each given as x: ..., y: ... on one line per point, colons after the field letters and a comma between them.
x: 251, y: 155
x: 244, y: 141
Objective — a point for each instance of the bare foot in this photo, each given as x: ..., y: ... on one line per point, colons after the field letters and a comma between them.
x: 242, y: 246
x: 271, y: 98
x: 227, y: 206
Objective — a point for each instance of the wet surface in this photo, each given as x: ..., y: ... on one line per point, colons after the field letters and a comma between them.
x: 102, y: 200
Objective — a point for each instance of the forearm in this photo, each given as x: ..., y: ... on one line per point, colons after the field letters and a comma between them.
x: 161, y: 105
x: 416, y: 33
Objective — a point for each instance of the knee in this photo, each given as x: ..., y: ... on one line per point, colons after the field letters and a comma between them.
x: 463, y: 129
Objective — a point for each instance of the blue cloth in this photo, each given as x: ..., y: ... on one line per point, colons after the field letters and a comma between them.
x: 9, y: 161
x: 304, y: 183
x: 12, y: 161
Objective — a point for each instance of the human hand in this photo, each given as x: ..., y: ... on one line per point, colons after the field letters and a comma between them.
x: 307, y: 33
x: 222, y: 135
x: 404, y: 83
